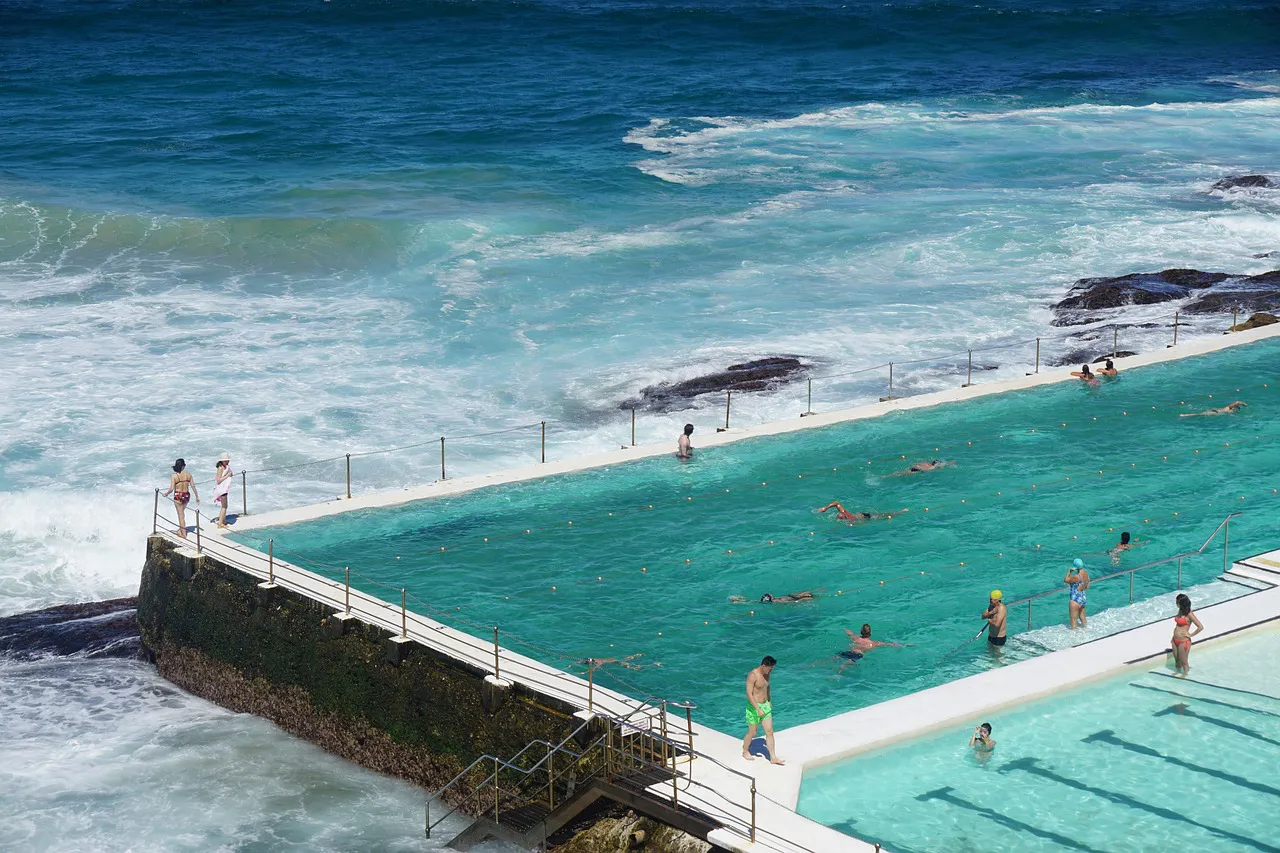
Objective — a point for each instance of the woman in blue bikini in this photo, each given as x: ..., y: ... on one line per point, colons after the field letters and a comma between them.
x: 1077, y: 581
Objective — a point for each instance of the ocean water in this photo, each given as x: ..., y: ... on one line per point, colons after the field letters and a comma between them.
x: 323, y: 227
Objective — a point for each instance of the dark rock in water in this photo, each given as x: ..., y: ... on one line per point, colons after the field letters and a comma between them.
x: 1072, y: 320
x: 1266, y: 255
x: 1257, y: 321
x: 1135, y: 289
x: 1078, y: 357
x: 1248, y: 294
x: 1246, y: 181
x: 95, y: 629
x: 763, y: 374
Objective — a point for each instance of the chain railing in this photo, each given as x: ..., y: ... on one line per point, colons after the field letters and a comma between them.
x: 894, y: 392
x: 1223, y: 527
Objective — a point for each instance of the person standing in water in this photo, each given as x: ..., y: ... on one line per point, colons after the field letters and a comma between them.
x: 183, y: 488
x: 981, y: 742
x: 1109, y: 370
x: 996, y: 617
x: 1077, y: 581
x: 222, y: 488
x: 684, y: 447
x: 760, y: 709
x: 1182, y: 634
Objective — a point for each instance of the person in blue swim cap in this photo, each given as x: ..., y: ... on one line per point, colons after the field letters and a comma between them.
x: 1077, y: 581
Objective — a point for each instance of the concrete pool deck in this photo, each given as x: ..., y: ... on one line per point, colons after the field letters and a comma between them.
x: 442, y: 488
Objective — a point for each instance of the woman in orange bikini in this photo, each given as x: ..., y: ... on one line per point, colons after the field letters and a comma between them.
x: 182, y: 486
x: 1182, y: 634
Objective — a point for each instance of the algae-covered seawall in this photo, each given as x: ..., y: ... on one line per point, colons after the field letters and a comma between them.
x: 216, y: 632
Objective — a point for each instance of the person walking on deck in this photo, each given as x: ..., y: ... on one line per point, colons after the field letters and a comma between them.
x: 183, y: 488
x: 760, y: 709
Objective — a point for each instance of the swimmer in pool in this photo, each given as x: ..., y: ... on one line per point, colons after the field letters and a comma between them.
x: 843, y: 514
x: 1126, y: 542
x: 981, y: 742
x: 859, y: 645
x: 1109, y: 370
x: 1229, y: 409
x: 626, y: 662
x: 1084, y: 373
x: 769, y: 598
x: 921, y: 467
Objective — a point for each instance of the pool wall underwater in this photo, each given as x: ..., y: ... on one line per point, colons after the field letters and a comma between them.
x: 822, y: 741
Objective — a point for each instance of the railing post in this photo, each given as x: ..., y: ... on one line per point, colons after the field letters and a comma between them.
x: 1115, y: 341
x: 1131, y: 587
x: 1235, y: 318
x: 544, y: 441
x: 1175, y: 328
x: 633, y: 427
x: 348, y: 476
x: 969, y: 378
x: 808, y: 408
x: 495, y: 789
x: 155, y: 514
x: 428, y: 817
x: 608, y: 751
x: 404, y: 616
x: 675, y: 790
x: 891, y: 380
x: 551, y: 778
x: 591, y: 682
x: 664, y: 737
x: 348, y: 600
x: 728, y: 401
x: 1226, y: 541
x: 1029, y: 602
x: 197, y: 531
x: 271, y: 561
x: 442, y: 457
x: 496, y: 676
x: 1179, y: 573
x: 1037, y: 355
x: 753, y: 810
x: 244, y: 495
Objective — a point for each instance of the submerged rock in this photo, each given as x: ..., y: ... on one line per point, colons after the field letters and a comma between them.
x: 1245, y: 181
x: 762, y: 374
x: 95, y: 629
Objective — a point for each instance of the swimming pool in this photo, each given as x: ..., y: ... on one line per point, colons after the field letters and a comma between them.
x: 641, y: 559
x: 1144, y: 761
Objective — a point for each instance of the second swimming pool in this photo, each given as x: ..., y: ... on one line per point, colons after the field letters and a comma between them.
x: 638, y: 562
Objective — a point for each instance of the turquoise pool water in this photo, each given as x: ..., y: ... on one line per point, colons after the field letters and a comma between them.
x: 656, y: 548
x: 1145, y: 761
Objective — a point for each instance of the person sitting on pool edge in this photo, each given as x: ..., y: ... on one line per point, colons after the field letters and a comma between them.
x: 769, y: 598
x: 981, y: 742
x: 996, y: 617
x: 843, y: 514
x: 921, y: 467
x: 1229, y: 409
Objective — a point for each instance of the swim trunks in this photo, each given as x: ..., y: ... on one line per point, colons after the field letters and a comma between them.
x: 996, y: 641
x: 851, y: 655
x: 754, y: 719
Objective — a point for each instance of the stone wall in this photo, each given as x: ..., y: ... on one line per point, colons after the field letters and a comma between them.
x: 212, y: 631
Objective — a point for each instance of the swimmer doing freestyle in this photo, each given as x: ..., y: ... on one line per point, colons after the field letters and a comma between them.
x: 770, y: 598
x: 843, y: 514
x: 921, y: 467
x: 1229, y: 409
x: 860, y: 644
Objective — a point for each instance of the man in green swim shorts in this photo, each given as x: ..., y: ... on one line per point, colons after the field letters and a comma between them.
x: 760, y: 709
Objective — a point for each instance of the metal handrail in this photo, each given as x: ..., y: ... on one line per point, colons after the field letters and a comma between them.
x: 1224, y: 525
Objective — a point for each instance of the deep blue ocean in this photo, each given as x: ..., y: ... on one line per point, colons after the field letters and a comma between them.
x: 296, y: 229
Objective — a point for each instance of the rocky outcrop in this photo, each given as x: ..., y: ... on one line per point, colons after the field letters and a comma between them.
x: 95, y: 629
x: 630, y: 832
x: 1257, y: 321
x: 1244, y: 181
x: 1211, y: 292
x: 762, y: 374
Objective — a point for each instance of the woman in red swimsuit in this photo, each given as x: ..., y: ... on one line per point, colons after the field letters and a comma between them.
x: 182, y: 486
x: 1182, y: 634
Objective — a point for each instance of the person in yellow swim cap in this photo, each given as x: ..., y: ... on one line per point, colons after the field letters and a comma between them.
x: 996, y: 617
